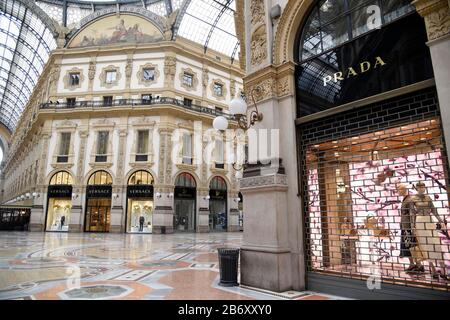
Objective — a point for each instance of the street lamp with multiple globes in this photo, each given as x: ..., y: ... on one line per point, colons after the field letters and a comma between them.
x: 239, y: 110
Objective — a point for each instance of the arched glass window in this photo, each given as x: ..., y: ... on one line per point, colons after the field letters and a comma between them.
x: 218, y: 183
x: 185, y: 180
x: 100, y: 178
x: 140, y: 177
x: 331, y: 23
x: 61, y: 178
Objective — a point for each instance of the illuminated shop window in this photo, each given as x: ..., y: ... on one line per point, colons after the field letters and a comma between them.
x: 377, y: 204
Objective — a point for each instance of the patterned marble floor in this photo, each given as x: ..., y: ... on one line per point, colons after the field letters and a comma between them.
x: 118, y: 266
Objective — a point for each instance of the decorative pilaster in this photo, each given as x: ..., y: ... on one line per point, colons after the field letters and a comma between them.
x: 258, y: 34
x: 123, y: 132
x: 437, y: 17
x: 170, y: 69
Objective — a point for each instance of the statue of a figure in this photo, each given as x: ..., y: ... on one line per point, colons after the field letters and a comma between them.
x: 168, y: 24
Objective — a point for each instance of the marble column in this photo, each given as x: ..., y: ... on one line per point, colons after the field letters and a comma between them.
x: 437, y: 20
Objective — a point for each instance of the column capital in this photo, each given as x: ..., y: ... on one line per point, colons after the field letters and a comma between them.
x: 437, y: 17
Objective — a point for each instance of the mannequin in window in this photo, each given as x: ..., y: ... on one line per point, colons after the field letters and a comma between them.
x: 141, y: 223
x: 429, y: 245
x: 63, y: 220
x: 407, y: 240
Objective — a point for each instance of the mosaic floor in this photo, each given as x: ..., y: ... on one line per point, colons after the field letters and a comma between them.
x: 112, y: 266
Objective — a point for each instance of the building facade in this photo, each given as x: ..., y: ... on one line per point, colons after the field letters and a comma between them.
x: 360, y: 89
x: 117, y: 135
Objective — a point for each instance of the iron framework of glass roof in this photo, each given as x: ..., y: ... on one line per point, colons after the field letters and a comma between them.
x: 25, y: 45
x: 27, y: 36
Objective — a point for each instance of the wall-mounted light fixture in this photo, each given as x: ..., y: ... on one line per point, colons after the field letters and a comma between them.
x: 75, y: 196
x: 206, y: 198
x: 116, y: 196
x: 170, y: 195
x: 239, y: 109
x: 158, y: 195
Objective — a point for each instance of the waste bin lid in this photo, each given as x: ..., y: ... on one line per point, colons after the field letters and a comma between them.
x: 228, y: 250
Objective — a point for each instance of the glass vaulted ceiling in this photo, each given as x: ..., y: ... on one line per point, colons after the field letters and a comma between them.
x: 25, y: 41
x: 25, y: 45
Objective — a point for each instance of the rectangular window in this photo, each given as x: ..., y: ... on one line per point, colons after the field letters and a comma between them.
x: 74, y: 79
x: 71, y: 102
x: 187, y: 148
x: 187, y: 102
x: 218, y: 154
x: 142, y: 143
x: 64, y: 147
x: 107, y: 101
x: 188, y: 79
x: 218, y: 89
x: 219, y: 110
x: 149, y: 74
x: 102, y: 146
x: 111, y: 76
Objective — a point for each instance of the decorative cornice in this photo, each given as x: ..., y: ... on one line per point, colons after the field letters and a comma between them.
x: 437, y: 17
x: 264, y: 181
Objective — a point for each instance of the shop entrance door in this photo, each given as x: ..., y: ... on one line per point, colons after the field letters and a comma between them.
x: 184, y: 219
x: 218, y: 215
x: 98, y: 215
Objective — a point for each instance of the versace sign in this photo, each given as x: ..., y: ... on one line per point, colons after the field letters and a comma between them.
x: 60, y: 191
x: 140, y: 191
x: 99, y: 191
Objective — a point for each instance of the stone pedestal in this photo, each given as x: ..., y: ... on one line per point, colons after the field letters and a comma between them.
x: 37, y: 219
x: 163, y: 220
x: 76, y: 219
x: 265, y: 255
x: 233, y: 219
x: 117, y: 220
x: 203, y: 220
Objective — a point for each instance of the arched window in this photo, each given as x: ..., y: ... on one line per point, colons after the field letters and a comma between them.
x: 61, y: 178
x: 185, y: 180
x: 100, y: 178
x: 218, y: 183
x: 331, y: 23
x: 140, y: 177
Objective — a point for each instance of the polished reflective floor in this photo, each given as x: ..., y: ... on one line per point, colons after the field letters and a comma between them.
x: 118, y: 266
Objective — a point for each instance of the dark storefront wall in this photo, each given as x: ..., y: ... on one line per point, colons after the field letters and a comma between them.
x: 354, y: 165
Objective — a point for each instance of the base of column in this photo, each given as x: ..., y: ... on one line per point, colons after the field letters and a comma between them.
x: 36, y: 227
x: 234, y: 229
x: 203, y: 229
x: 116, y: 229
x: 266, y: 270
x: 75, y: 228
x: 159, y: 230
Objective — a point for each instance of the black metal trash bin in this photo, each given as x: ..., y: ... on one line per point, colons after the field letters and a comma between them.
x: 228, y: 265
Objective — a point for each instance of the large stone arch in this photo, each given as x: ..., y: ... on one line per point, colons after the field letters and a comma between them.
x: 293, y: 17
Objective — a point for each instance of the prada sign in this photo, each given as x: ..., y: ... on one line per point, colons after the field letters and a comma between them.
x: 59, y: 191
x: 99, y: 191
x: 354, y: 71
x: 380, y: 61
x: 140, y: 191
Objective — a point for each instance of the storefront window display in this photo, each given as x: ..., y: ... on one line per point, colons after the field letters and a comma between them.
x: 140, y: 203
x: 218, y: 204
x: 185, y: 204
x: 98, y: 202
x: 378, y: 205
x: 59, y: 203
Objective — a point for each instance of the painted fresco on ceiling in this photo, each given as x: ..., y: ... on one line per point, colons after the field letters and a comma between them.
x: 116, y: 30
